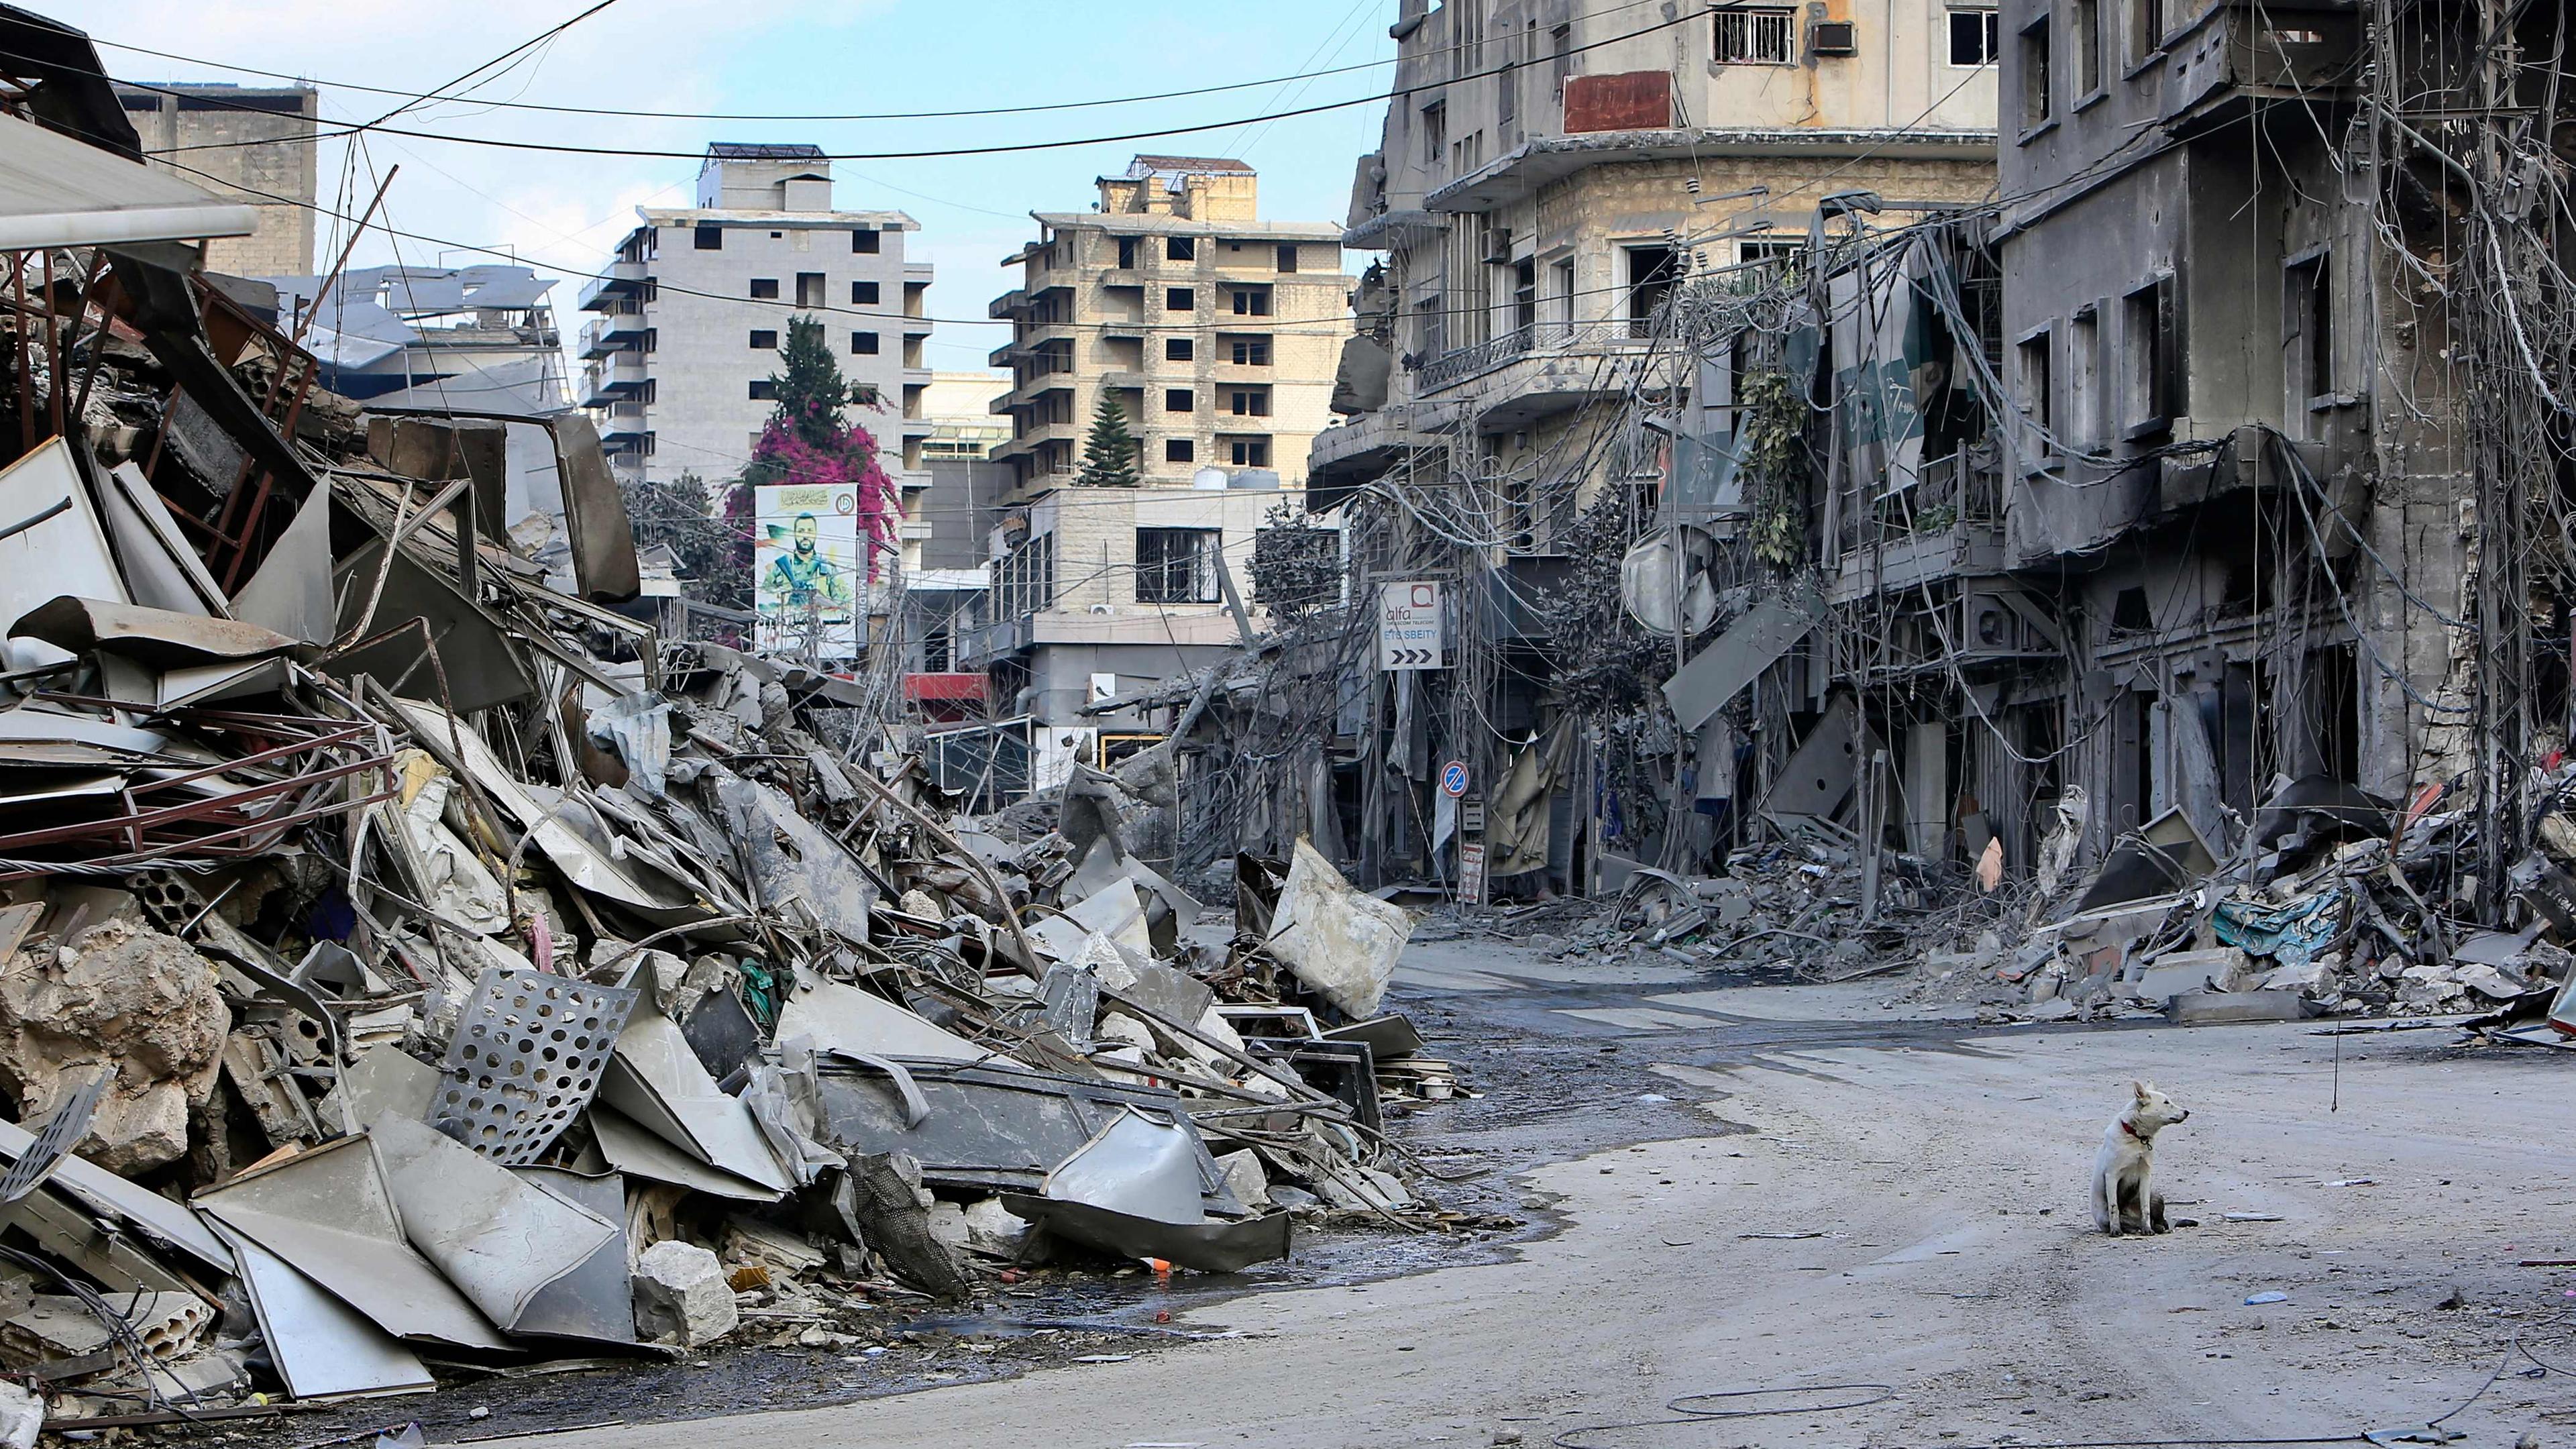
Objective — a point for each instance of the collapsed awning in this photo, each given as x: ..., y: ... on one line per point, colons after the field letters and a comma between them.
x: 59, y: 192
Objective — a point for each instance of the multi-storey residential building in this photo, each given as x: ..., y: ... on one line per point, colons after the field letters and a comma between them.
x: 1216, y: 331
x: 1550, y: 176
x: 689, y: 315
x: 252, y: 144
x: 1217, y: 334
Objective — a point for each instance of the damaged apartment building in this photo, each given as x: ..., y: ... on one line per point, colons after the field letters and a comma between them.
x: 1995, y: 439
x: 2269, y: 520
x: 1552, y: 178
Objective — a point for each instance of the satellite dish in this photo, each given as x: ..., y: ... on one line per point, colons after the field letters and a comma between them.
x: 1664, y: 581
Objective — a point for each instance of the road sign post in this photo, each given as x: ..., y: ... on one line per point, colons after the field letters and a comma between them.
x: 1409, y: 626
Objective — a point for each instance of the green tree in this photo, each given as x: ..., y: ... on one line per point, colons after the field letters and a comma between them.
x: 1109, y: 454
x: 684, y: 514
x: 807, y: 441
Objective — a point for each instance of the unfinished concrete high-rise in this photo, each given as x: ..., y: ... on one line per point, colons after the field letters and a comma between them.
x: 1216, y: 333
x: 252, y: 144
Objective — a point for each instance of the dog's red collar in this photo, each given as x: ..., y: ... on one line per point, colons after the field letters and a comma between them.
x: 2132, y: 1129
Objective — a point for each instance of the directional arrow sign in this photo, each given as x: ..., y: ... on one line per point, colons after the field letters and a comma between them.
x: 1409, y: 632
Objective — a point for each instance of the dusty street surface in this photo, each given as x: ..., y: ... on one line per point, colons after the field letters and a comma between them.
x: 1955, y: 1265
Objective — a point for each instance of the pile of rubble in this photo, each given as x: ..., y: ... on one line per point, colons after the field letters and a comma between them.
x: 2334, y: 903
x: 409, y: 955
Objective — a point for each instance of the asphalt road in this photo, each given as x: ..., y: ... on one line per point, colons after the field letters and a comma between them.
x: 1853, y: 1199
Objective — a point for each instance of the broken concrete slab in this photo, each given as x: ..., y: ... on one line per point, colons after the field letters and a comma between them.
x: 2221, y: 1008
x: 682, y: 1296
x: 1337, y: 940
x: 126, y: 998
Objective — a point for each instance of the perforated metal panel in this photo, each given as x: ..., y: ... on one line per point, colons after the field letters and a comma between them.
x: 526, y: 1060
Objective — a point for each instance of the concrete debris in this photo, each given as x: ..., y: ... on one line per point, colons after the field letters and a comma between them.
x: 120, y: 997
x: 682, y: 1296
x: 471, y: 945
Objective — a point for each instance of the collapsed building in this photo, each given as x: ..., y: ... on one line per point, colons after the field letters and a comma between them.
x: 413, y: 963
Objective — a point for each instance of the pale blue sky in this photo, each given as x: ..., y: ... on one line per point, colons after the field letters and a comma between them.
x: 851, y: 56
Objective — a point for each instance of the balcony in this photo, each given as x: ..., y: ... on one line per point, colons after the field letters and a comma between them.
x: 1544, y: 368
x: 612, y: 379
x: 622, y: 279
x: 1363, y: 448
x: 2235, y: 60
x: 626, y: 421
x: 611, y: 334
x: 1948, y: 522
x: 1008, y: 305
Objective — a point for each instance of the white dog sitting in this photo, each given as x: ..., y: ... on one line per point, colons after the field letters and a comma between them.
x: 2124, y: 1200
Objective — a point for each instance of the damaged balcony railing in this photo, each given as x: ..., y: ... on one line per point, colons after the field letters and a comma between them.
x: 1961, y: 489
x: 1459, y: 364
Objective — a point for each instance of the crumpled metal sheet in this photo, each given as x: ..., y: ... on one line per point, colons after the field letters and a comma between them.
x: 1214, y: 1246
x: 329, y: 1214
x: 838, y: 1017
x: 322, y: 1347
x: 501, y: 1241
x: 638, y: 1153
x: 1137, y: 1166
x: 797, y: 868
x: 595, y: 1301
x: 655, y: 1079
x: 990, y: 1127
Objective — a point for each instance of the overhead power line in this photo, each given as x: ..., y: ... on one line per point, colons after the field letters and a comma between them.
x: 935, y: 153
x: 815, y: 116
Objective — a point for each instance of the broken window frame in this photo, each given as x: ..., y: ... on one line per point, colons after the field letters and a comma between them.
x: 2084, y: 44
x: 2034, y: 388
x: 2146, y: 27
x: 2038, y: 89
x: 2307, y: 332
x: 1178, y: 565
x: 2151, y: 343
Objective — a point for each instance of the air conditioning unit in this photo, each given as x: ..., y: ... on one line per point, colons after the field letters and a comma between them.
x: 1833, y: 37
x: 2002, y: 621
x: 1498, y: 245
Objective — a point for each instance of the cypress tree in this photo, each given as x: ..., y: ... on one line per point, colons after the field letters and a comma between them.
x: 1109, y: 454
